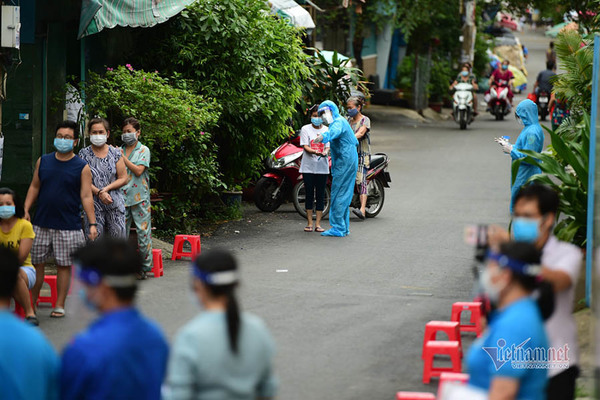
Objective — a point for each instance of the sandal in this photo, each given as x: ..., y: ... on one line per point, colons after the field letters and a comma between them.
x: 32, y: 320
x: 319, y: 229
x: 58, y: 312
x: 358, y: 213
x: 308, y: 229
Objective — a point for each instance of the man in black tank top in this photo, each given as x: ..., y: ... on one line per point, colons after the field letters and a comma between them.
x: 61, y: 183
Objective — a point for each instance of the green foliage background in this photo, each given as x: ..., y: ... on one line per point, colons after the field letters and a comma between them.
x: 251, y: 63
x: 176, y: 125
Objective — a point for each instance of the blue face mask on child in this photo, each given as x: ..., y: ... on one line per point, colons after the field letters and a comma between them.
x: 526, y: 229
x: 504, y: 67
x: 7, y: 212
x: 316, y: 121
x: 464, y: 73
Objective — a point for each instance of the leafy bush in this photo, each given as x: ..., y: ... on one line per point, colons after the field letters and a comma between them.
x: 335, y: 81
x: 250, y: 62
x: 439, y: 80
x: 176, y: 126
x: 405, y: 71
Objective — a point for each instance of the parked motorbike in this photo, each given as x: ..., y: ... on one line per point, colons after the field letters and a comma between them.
x: 282, y: 175
x: 542, y: 101
x: 378, y: 178
x: 498, y: 103
x: 462, y: 106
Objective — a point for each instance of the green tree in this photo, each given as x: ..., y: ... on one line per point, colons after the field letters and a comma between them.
x: 250, y: 62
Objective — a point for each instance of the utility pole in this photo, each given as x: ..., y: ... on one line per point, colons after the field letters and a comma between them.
x: 469, y: 30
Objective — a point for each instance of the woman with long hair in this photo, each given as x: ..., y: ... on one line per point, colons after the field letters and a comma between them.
x: 221, y: 353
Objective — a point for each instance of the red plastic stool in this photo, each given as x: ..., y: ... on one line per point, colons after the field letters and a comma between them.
x: 157, y: 263
x: 51, y: 281
x: 19, y: 310
x: 415, y: 396
x: 475, y: 309
x: 440, y: 347
x: 446, y: 377
x: 450, y: 328
x: 193, y: 240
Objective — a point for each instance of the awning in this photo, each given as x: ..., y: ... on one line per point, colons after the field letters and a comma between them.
x: 292, y: 12
x: 99, y: 14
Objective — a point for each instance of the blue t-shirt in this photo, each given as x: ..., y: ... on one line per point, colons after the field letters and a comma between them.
x: 519, y: 326
x: 28, y: 363
x: 122, y: 355
x: 59, y: 200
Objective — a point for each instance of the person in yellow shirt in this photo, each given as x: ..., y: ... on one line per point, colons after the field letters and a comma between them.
x: 17, y: 235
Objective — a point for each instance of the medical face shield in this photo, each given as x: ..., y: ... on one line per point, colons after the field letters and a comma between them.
x: 83, y: 288
x: 326, y: 115
x: 516, y: 266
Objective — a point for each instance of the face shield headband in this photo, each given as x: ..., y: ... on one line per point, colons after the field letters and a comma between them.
x: 516, y: 266
x: 93, y: 277
x: 326, y: 114
x: 222, y: 278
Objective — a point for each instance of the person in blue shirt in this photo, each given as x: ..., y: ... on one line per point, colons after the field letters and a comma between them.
x: 530, y: 138
x: 344, y: 166
x: 122, y: 355
x: 222, y: 353
x: 510, y: 360
x: 29, y: 365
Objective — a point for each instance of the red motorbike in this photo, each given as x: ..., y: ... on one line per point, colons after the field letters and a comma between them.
x: 378, y: 178
x: 275, y: 186
x: 498, y: 102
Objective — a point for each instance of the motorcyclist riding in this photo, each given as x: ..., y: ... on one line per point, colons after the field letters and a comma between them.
x: 503, y: 77
x: 466, y: 76
x: 543, y: 84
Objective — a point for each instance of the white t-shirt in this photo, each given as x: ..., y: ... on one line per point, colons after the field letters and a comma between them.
x: 561, y: 327
x: 312, y: 163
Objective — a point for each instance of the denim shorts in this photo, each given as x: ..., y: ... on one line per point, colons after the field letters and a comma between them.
x: 30, y: 272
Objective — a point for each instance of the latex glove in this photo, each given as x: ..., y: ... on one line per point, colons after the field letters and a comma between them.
x: 318, y: 139
x: 505, y: 144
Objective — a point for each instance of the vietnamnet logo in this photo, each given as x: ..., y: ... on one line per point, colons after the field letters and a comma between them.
x: 521, y: 357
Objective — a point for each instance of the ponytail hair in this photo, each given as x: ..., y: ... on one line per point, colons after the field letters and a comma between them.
x: 233, y: 322
x: 217, y: 269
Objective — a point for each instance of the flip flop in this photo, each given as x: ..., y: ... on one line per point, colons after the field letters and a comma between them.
x: 308, y: 229
x: 319, y: 229
x: 33, y: 320
x: 358, y: 213
x: 57, y: 313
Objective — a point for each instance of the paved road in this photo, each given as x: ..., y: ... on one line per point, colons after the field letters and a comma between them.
x: 348, y: 315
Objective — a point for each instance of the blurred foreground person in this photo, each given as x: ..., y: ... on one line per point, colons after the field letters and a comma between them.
x: 536, y: 208
x: 503, y: 361
x: 121, y: 355
x: 28, y: 364
x: 221, y: 354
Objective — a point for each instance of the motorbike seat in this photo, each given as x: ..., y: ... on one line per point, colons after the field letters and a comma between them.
x: 376, y: 160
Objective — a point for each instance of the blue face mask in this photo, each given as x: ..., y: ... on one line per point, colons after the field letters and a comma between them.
x: 352, y: 112
x: 504, y: 67
x: 63, y: 145
x: 7, y: 212
x: 526, y: 229
x: 316, y: 121
x: 464, y: 73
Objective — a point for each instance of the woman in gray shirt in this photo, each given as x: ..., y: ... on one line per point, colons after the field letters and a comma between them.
x: 222, y: 353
